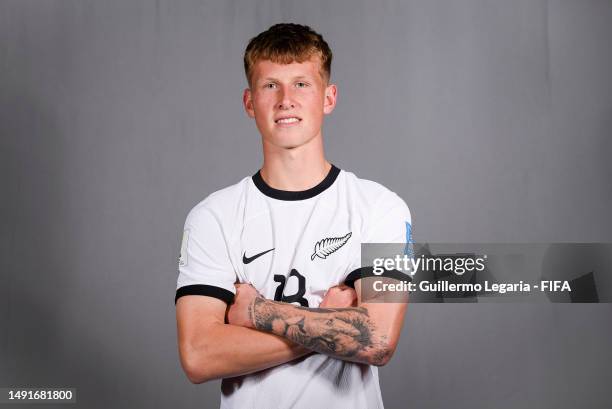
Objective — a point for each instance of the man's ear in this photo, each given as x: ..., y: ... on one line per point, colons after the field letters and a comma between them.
x: 331, y: 96
x: 247, y: 100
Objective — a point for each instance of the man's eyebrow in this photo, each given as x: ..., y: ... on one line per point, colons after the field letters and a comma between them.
x: 299, y: 77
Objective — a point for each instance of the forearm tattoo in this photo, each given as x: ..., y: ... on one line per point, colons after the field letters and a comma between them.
x: 341, y: 332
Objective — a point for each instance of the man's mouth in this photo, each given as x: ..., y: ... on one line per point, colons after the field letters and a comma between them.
x: 288, y: 120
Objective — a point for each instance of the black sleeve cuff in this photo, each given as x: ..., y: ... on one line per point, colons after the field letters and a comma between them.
x: 208, y: 290
x: 364, y: 272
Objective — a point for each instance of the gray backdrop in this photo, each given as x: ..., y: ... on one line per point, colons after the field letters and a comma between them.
x: 492, y: 119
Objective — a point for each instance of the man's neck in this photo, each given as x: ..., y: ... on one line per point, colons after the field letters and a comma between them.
x: 295, y: 169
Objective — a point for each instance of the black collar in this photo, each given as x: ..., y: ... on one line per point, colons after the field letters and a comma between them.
x: 296, y: 195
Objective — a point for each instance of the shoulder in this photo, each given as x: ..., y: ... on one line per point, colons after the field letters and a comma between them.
x: 371, y: 194
x: 385, y: 216
x: 222, y: 205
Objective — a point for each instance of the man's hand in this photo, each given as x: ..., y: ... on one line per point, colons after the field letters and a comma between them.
x: 239, y: 313
x: 366, y: 333
x: 340, y: 296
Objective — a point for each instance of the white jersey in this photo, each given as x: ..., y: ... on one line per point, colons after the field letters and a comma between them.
x: 292, y: 247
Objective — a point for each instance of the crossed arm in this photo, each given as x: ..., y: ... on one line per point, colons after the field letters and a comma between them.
x: 367, y: 333
x: 211, y: 349
x: 263, y: 333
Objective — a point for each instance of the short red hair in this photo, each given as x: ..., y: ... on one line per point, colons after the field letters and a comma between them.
x: 286, y: 43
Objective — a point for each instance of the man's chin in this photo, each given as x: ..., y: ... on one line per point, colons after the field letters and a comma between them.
x: 284, y: 143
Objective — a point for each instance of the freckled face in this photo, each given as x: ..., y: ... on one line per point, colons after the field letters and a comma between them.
x: 289, y: 101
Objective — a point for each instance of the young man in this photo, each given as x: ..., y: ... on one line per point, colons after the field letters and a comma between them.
x: 260, y: 256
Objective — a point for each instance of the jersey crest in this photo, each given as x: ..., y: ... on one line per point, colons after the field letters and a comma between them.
x: 325, y: 247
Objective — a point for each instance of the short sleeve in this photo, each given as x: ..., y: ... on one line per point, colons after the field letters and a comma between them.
x: 390, y: 222
x: 204, y: 264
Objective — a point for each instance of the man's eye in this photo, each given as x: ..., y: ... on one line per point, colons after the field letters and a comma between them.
x: 270, y: 85
x: 301, y: 85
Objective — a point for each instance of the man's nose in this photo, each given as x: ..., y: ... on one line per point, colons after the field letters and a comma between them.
x: 286, y: 100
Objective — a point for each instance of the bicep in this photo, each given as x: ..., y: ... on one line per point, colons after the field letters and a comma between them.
x: 386, y: 311
x: 195, y: 316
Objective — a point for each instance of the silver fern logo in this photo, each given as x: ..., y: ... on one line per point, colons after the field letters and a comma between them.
x: 325, y: 247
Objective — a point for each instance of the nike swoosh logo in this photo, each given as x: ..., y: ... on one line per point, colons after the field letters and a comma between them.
x: 247, y: 260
